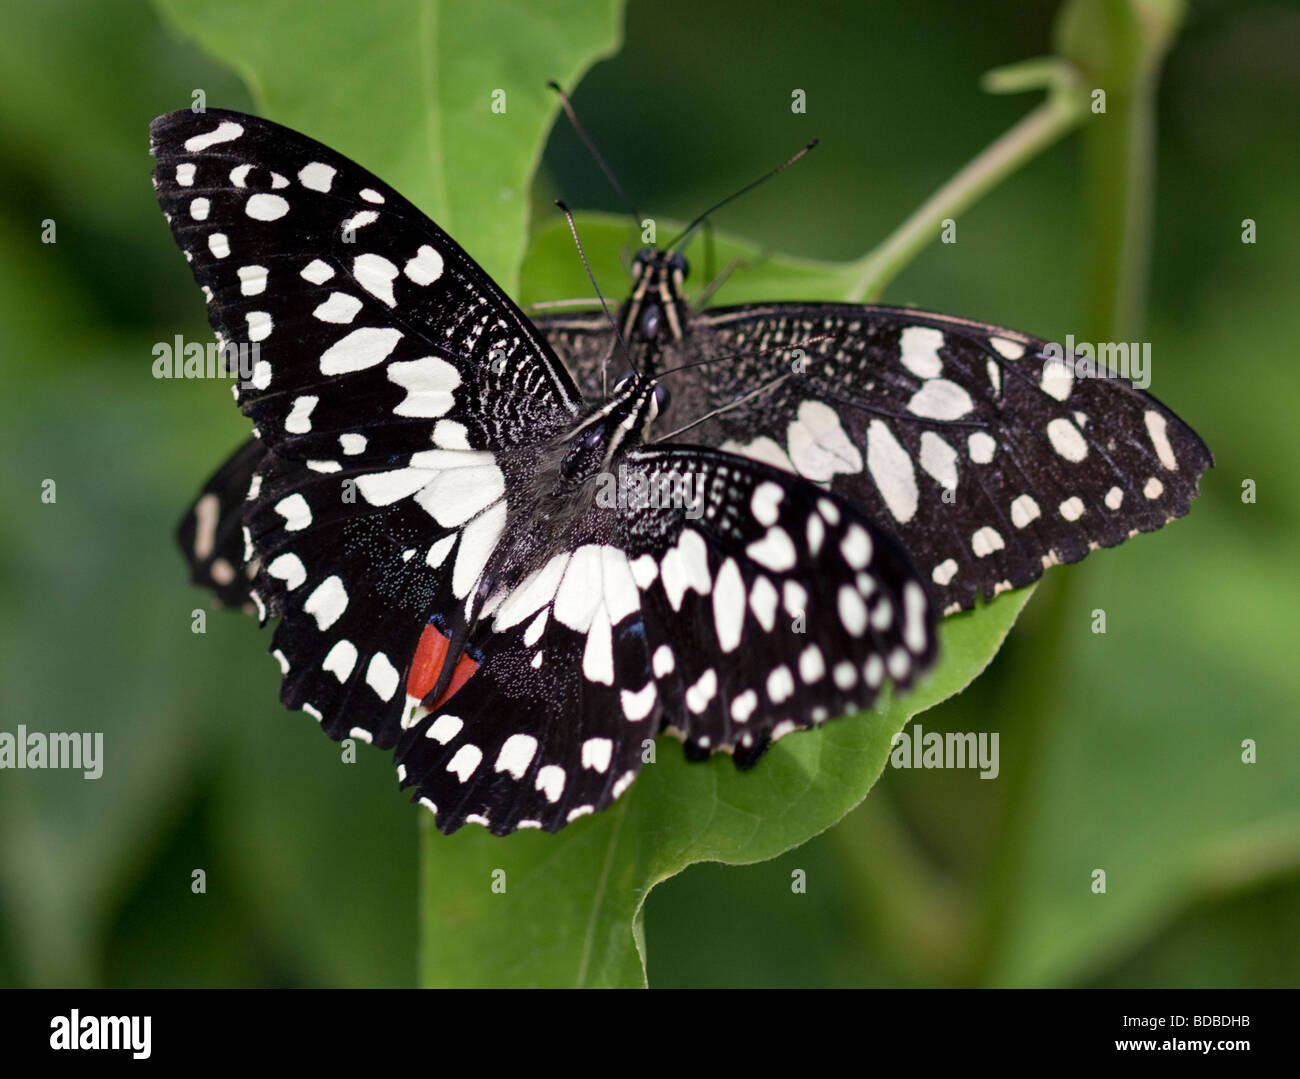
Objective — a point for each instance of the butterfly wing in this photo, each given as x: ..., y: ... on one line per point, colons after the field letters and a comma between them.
x: 211, y: 534
x: 586, y: 343
x: 749, y: 605
x: 368, y: 319
x: 988, y: 460
x: 392, y: 384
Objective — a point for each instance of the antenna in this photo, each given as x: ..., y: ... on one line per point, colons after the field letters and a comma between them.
x: 591, y: 149
x: 735, y: 195
x: 604, y: 306
x: 770, y: 384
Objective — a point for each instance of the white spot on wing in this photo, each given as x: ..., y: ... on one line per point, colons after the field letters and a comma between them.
x: 702, y: 692
x: 818, y: 444
x: 919, y: 350
x: 360, y: 349
x: 516, y: 754
x: 266, y: 207
x: 444, y: 729
x: 205, y: 525
x: 856, y: 546
x: 223, y: 132
x: 636, y: 706
x: 375, y: 274
x: 940, y: 399
x: 289, y: 569
x: 428, y: 382
x: 465, y: 761
x: 914, y: 617
x: 295, y: 511
x: 1024, y: 510
x: 360, y: 220
x: 327, y: 602
x: 1011, y: 350
x: 298, y: 422
x: 1057, y: 379
x: 259, y: 325
x: 341, y: 660
x: 853, y: 612
x: 597, y: 753
x: 686, y: 566
x: 550, y: 781
x: 533, y: 593
x: 762, y: 601
x: 729, y: 605
x: 939, y: 459
x: 944, y: 572
x: 774, y: 550
x: 477, y: 542
x: 982, y: 447
x: 1157, y: 428
x: 317, y: 176
x: 382, y: 676
x: 317, y: 272
x: 780, y: 685
x: 985, y: 541
x: 765, y: 503
x: 1066, y: 440
x: 425, y: 268
x: 891, y: 469
x: 339, y: 308
x: 252, y: 280
x: 743, y: 705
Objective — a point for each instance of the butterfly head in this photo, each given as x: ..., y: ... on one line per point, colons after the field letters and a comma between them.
x: 656, y: 309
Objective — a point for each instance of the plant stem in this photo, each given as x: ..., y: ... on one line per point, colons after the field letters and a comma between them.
x: 1063, y: 111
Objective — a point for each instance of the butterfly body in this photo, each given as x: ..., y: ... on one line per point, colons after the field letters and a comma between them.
x: 488, y: 550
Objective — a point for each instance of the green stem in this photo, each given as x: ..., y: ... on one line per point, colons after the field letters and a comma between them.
x: 1063, y: 111
x: 1119, y: 154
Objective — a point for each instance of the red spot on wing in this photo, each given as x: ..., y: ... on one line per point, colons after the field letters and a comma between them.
x: 426, y: 667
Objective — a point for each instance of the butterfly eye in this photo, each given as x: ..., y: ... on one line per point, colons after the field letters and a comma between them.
x: 678, y: 262
x: 662, y: 397
x: 624, y: 381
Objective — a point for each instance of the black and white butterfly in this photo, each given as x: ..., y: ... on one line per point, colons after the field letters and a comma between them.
x: 424, y: 503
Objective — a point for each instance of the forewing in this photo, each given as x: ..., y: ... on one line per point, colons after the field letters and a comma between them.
x: 363, y: 330
x: 988, y: 459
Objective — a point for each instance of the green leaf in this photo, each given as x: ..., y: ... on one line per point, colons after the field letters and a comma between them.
x: 408, y: 90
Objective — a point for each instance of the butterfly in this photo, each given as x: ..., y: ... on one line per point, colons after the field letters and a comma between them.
x: 485, y: 554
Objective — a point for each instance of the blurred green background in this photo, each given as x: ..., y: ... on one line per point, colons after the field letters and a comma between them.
x: 1119, y: 751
